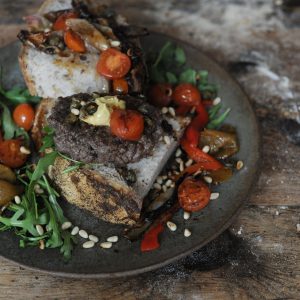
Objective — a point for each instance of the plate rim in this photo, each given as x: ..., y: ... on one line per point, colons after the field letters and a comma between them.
x: 223, y: 227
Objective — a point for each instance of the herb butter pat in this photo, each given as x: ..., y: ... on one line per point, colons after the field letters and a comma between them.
x: 105, y: 107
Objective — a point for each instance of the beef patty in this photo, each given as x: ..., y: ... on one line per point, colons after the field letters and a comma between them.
x: 96, y: 144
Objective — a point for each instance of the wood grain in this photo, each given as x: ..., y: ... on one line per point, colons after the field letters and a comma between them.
x: 258, y: 258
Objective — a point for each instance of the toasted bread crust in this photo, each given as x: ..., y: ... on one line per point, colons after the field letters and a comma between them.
x: 24, y: 69
x: 110, y: 200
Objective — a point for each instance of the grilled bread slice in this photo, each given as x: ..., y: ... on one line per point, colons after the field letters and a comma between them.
x: 52, y: 70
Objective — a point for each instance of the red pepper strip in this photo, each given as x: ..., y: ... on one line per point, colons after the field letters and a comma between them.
x: 196, y: 154
x: 150, y: 240
x: 192, y: 133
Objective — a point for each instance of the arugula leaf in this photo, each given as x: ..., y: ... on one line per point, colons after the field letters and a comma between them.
x: 171, y: 78
x: 164, y: 52
x: 180, y: 57
x: 188, y: 76
x: 215, y: 123
x: 48, y: 139
x: 18, y: 95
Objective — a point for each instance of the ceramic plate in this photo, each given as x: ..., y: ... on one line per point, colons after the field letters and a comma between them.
x: 125, y: 258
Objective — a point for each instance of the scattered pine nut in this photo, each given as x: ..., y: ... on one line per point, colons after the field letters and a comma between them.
x: 214, y: 196
x: 206, y: 149
x: 239, y: 165
x: 112, y: 239
x: 164, y: 110
x: 66, y: 225
x: 172, y: 226
x: 42, y: 244
x: 187, y: 232
x: 88, y: 244
x: 186, y: 215
x: 181, y: 167
x: 83, y: 234
x: 75, y: 230
x: 167, y: 140
x: 39, y: 229
x: 106, y: 245
x: 189, y: 163
x: 115, y: 43
x: 157, y: 186
x: 24, y: 150
x: 159, y: 180
x: 207, y: 179
x: 217, y: 101
x: 178, y: 152
x: 169, y: 183
x: 93, y: 238
x: 164, y: 187
x: 17, y: 199
x: 172, y: 112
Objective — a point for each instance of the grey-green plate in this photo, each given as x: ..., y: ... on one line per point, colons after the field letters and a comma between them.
x: 125, y: 258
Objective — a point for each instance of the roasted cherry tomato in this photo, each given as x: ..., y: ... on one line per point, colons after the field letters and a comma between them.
x: 186, y: 94
x: 160, y: 94
x: 74, y: 41
x: 10, y: 154
x: 113, y: 64
x: 120, y: 86
x: 23, y: 116
x: 60, y: 23
x: 193, y: 195
x: 127, y: 124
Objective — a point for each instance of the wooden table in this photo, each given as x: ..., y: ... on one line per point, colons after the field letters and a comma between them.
x: 258, y: 257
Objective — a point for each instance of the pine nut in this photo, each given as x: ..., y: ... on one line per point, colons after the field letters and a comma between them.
x: 187, y: 233
x: 115, y: 43
x: 24, y: 150
x: 214, y: 196
x: 157, y: 186
x: 75, y: 230
x: 106, y: 245
x: 164, y: 110
x: 88, y: 244
x: 186, y: 215
x: 189, y: 163
x: 17, y: 199
x: 178, y: 152
x: 206, y: 149
x: 39, y: 229
x: 172, y: 112
x: 172, y: 226
x: 83, y: 234
x: 113, y: 239
x: 217, y: 101
x: 94, y: 238
x: 159, y: 180
x: 42, y: 244
x: 207, y: 179
x: 167, y: 140
x: 239, y: 165
x: 169, y: 183
x: 66, y: 225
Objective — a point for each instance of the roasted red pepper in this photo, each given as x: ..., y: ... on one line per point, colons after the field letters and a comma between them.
x: 150, y: 240
x: 207, y: 162
x: 192, y: 132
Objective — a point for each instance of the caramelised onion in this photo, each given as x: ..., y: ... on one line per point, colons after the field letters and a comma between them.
x: 7, y: 174
x: 8, y: 191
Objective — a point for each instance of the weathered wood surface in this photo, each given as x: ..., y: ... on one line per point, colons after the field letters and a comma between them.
x: 259, y: 256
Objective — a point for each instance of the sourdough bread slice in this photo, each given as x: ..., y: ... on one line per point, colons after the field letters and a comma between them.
x: 52, y: 74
